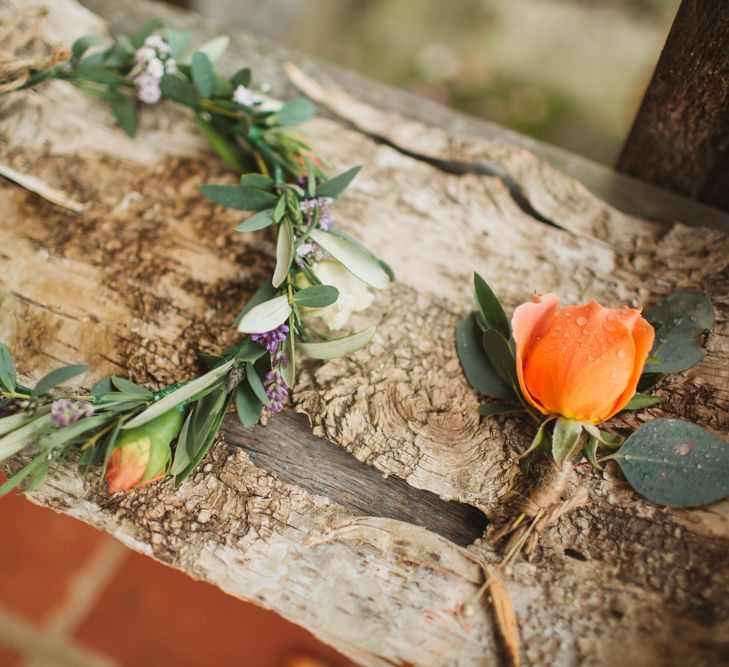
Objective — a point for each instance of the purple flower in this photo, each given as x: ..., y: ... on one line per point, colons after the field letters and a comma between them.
x: 65, y: 412
x: 271, y: 339
x: 326, y: 219
x: 12, y: 407
x: 276, y: 390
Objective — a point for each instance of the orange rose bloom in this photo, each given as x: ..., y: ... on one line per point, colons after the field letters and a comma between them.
x: 579, y: 362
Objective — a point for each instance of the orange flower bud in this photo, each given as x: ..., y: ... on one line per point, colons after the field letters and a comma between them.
x: 579, y: 362
x: 141, y: 454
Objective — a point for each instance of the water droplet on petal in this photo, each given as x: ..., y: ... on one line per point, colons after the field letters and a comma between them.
x: 581, y: 321
x: 621, y: 354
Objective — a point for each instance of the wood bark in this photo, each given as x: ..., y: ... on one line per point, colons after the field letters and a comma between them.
x: 150, y: 274
x: 680, y: 137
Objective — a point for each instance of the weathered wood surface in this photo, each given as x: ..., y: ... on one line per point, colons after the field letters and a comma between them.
x: 680, y: 137
x: 150, y: 274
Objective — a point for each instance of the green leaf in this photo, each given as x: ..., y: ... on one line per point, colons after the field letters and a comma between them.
x: 684, y: 317
x: 202, y: 74
x: 215, y: 47
x: 177, y: 40
x: 565, y: 439
x: 126, y: 115
x: 225, y: 150
x: 98, y: 74
x: 265, y: 316
x: 280, y: 209
x: 288, y: 370
x: 676, y: 463
x: 11, y: 422
x: 538, y: 438
x: 641, y: 401
x: 34, y: 467
x: 242, y: 77
x: 137, y: 39
x: 103, y: 386
x: 258, y: 221
x: 295, y: 112
x: 495, y: 409
x: 239, y: 197
x: 339, y: 347
x: 335, y: 186
x: 14, y: 441
x: 249, y: 350
x: 591, y: 452
x: 475, y: 362
x: 490, y: 307
x: 362, y: 265
x: 263, y: 293
x: 181, y: 459
x: 8, y: 377
x: 58, y: 377
x: 131, y: 388
x: 64, y: 435
x: 181, y: 395
x: 177, y: 89
x: 247, y: 405
x: 83, y: 44
x: 259, y: 181
x: 319, y: 296
x: 501, y: 357
x: 256, y: 384
x: 284, y: 252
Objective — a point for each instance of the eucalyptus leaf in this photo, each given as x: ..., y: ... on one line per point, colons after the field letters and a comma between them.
x: 565, y: 439
x: 684, y: 318
x: 676, y: 463
x: 490, y: 307
x: 362, y: 265
x: 318, y: 296
x: 7, y: 369
x: 265, y: 316
x: 335, y: 186
x: 83, y: 44
x: 179, y: 90
x: 126, y: 115
x: 181, y: 395
x: 239, y: 197
x: 339, y: 347
x: 177, y: 40
x: 247, y: 405
x: 214, y: 48
x: 295, y: 112
x: 202, y: 74
x: 284, y: 252
x: 137, y: 39
x: 242, y: 77
x: 58, y: 377
x: 475, y: 362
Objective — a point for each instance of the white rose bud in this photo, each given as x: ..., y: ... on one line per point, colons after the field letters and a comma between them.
x: 353, y: 293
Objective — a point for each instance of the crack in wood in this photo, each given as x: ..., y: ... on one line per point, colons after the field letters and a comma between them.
x: 287, y: 448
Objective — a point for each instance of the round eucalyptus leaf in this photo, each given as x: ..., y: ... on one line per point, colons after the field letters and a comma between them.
x: 680, y: 321
x: 676, y: 463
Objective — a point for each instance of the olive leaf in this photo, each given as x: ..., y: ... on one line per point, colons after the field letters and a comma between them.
x: 295, y: 112
x: 675, y: 463
x: 240, y: 197
x: 284, y: 252
x: 58, y: 377
x: 500, y: 355
x: 7, y: 369
x: 202, y: 74
x: 247, y: 405
x: 266, y: 316
x: 361, y: 264
x: 319, y: 296
x: 331, y: 349
x: 475, y: 362
x: 335, y: 186
x: 683, y: 318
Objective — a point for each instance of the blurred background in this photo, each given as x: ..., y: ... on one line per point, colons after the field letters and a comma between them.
x: 569, y: 72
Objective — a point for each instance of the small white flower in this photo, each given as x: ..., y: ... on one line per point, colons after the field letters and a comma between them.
x: 156, y: 42
x: 144, y: 54
x: 353, y: 293
x: 243, y: 96
x: 150, y: 93
x: 155, y: 68
x: 170, y: 66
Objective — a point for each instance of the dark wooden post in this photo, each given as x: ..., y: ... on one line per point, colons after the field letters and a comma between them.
x: 680, y: 137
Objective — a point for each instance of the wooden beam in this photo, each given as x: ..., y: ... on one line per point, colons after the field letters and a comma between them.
x: 680, y: 137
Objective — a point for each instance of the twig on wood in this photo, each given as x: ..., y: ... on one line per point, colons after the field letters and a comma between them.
x: 41, y: 188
